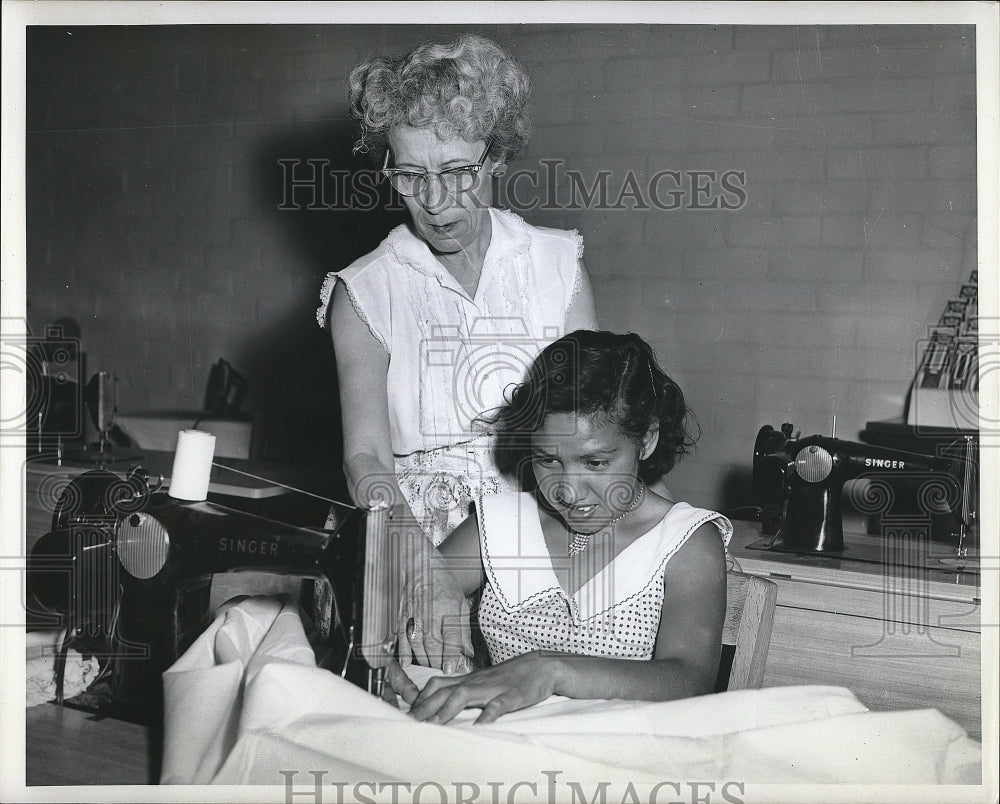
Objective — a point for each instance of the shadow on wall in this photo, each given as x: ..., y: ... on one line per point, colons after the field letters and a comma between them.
x: 329, y: 213
x: 736, y: 488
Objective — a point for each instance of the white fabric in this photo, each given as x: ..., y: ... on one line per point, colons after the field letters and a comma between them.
x: 451, y: 357
x: 615, y: 613
x: 246, y: 702
x: 41, y: 648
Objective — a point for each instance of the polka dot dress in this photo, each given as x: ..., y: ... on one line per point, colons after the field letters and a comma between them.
x: 616, y: 614
x: 624, y: 632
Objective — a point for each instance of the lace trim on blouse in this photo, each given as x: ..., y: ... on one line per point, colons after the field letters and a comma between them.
x: 325, y: 292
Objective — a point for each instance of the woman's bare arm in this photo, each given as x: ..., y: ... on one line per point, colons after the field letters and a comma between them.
x: 362, y: 364
x: 463, y: 555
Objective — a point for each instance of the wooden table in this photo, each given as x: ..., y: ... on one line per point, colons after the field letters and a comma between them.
x: 66, y: 746
x: 900, y: 637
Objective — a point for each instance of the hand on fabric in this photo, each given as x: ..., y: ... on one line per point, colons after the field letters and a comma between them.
x: 515, y: 684
x: 433, y: 623
x: 397, y: 682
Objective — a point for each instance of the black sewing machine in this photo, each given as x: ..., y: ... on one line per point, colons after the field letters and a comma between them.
x: 800, y: 483
x: 128, y: 570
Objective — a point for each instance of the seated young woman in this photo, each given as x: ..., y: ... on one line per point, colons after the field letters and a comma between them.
x: 593, y: 586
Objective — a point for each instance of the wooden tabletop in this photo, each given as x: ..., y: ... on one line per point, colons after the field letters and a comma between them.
x: 66, y: 746
x: 859, y: 564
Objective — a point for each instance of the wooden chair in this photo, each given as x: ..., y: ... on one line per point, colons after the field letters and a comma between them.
x: 746, y: 633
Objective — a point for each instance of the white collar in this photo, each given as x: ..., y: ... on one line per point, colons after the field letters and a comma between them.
x: 520, y: 569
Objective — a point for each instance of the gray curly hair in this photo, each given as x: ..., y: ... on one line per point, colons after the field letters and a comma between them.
x: 471, y: 88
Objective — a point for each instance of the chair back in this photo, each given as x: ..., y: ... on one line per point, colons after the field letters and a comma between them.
x: 750, y: 604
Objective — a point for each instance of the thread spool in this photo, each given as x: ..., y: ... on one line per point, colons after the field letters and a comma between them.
x: 192, y: 465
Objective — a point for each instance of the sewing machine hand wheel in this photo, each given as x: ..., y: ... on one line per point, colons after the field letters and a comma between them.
x: 72, y: 569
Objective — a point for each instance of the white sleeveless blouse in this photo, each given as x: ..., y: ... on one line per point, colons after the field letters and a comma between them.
x: 615, y: 614
x: 451, y: 357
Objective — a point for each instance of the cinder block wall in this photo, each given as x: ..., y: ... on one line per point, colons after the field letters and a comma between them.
x: 154, y: 195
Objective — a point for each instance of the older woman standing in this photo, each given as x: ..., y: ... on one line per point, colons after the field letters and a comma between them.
x: 431, y: 327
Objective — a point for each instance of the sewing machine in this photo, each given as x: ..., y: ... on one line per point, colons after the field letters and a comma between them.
x: 800, y: 482
x: 127, y: 570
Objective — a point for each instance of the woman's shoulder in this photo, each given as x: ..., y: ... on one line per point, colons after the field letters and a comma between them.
x: 380, y: 266
x: 517, y: 228
x: 375, y: 263
x: 674, y: 530
x: 687, y: 519
x: 644, y: 563
x: 368, y: 278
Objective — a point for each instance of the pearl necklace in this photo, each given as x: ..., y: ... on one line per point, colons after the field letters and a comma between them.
x: 579, y: 541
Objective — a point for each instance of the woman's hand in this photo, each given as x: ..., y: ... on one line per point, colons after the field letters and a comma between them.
x: 433, y: 623
x: 398, y: 683
x: 515, y: 684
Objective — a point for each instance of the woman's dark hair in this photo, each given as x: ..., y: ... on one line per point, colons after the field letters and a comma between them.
x: 596, y: 373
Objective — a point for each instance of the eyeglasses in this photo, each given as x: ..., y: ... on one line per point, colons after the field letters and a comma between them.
x: 453, y: 180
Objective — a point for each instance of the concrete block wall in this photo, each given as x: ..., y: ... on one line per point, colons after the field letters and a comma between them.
x: 810, y: 300
x: 154, y: 195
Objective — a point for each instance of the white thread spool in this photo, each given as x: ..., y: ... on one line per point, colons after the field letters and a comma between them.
x: 192, y: 465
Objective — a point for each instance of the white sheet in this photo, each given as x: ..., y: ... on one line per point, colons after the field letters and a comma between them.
x: 247, y: 702
x: 41, y: 648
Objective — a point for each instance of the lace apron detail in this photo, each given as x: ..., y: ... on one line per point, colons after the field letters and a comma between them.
x: 440, y: 484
